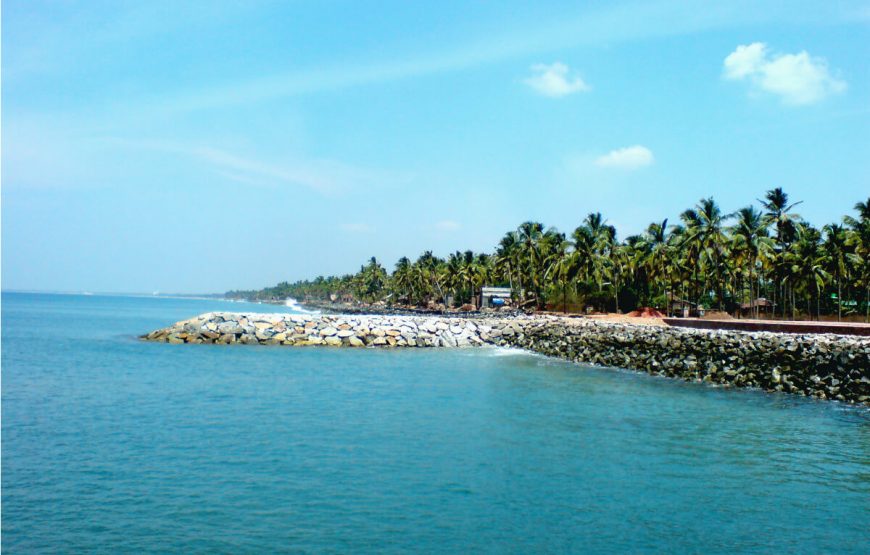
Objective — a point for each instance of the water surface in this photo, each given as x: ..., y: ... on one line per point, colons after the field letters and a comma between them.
x: 113, y: 445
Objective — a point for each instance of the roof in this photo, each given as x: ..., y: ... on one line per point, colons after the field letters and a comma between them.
x: 496, y: 291
x: 760, y: 301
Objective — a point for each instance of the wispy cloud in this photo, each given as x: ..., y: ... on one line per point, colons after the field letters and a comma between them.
x: 628, y: 158
x: 255, y: 171
x: 447, y: 225
x: 554, y: 80
x: 798, y: 79
x: 324, y: 176
x: 616, y: 23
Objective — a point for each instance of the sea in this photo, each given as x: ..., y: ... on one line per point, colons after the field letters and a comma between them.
x: 115, y: 445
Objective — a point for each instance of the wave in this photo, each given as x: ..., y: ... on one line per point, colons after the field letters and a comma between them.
x: 293, y: 305
x: 508, y: 352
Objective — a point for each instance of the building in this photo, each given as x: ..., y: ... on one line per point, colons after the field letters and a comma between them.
x: 495, y: 296
x: 758, y: 306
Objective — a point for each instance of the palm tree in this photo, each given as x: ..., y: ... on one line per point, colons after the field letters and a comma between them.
x: 835, y: 247
x: 807, y: 262
x: 529, y: 235
x: 429, y: 276
x: 778, y: 213
x: 371, y: 279
x: 563, y: 268
x: 619, y: 263
x: 402, y: 279
x: 482, y: 274
x: 750, y: 243
x: 656, y: 249
x: 768, y: 249
x: 603, y: 240
x: 507, y: 257
x: 706, y: 243
x: 858, y: 239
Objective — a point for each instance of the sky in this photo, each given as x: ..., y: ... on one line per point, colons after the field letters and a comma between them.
x: 196, y: 147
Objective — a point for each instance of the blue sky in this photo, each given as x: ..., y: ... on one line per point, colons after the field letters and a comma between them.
x: 201, y: 147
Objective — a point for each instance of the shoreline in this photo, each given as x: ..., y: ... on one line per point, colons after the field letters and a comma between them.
x: 825, y: 366
x: 370, y: 310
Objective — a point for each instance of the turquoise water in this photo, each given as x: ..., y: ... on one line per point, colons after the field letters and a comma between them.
x: 111, y: 445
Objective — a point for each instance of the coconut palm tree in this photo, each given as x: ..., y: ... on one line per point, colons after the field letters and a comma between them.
x: 706, y: 243
x: 563, y: 268
x: 750, y: 244
x: 603, y: 239
x: 778, y: 213
x: 807, y: 264
x: 402, y: 280
x: 371, y: 279
x: 835, y: 250
x: 656, y: 247
x: 858, y: 239
x: 482, y: 273
x: 529, y: 235
x: 619, y: 264
x: 507, y: 258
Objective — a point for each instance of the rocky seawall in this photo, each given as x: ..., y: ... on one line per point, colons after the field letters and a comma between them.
x: 820, y: 365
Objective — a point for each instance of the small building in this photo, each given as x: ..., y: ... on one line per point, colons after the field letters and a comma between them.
x: 681, y: 307
x: 759, y: 305
x: 494, y: 296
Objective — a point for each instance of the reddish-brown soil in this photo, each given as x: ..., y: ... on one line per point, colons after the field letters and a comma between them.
x: 645, y: 312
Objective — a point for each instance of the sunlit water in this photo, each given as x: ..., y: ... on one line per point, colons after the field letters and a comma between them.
x: 115, y: 445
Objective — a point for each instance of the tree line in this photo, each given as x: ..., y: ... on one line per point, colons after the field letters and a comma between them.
x: 759, y: 258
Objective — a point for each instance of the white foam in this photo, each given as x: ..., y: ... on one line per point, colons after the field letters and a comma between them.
x: 507, y: 352
x: 293, y: 305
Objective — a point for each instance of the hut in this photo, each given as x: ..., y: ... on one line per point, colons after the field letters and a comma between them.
x: 495, y: 296
x: 681, y: 307
x: 759, y: 306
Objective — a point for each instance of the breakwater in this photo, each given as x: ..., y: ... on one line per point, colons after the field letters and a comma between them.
x: 820, y: 365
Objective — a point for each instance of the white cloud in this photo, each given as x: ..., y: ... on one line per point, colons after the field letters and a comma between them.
x: 447, y: 225
x: 554, y: 80
x: 357, y: 228
x: 798, y: 79
x: 628, y: 158
x: 745, y: 60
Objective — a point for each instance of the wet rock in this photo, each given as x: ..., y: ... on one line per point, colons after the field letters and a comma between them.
x: 823, y: 366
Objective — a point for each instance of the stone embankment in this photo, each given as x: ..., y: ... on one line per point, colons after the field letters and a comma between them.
x: 819, y: 365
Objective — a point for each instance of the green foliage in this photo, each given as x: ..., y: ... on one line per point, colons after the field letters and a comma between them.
x: 710, y: 259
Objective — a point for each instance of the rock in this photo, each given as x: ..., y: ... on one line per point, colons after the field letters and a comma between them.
x: 230, y: 327
x: 822, y: 366
x: 248, y: 339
